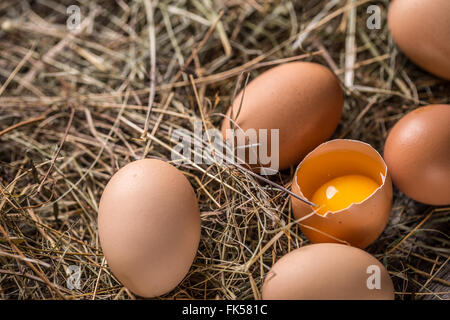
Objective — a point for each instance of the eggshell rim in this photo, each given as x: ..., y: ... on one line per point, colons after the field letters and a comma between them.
x: 384, y: 176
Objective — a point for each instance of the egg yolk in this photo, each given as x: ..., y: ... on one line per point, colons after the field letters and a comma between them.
x: 341, y: 192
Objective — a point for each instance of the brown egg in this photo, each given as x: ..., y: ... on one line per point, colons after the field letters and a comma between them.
x: 350, y: 183
x: 149, y: 226
x: 417, y: 152
x: 421, y: 28
x: 328, y: 271
x: 303, y: 100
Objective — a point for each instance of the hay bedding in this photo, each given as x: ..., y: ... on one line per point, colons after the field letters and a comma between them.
x: 73, y: 107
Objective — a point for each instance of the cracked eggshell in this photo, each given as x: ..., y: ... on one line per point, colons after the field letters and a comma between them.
x: 327, y: 271
x: 421, y: 29
x: 417, y: 152
x: 149, y: 226
x: 303, y: 100
x: 360, y: 224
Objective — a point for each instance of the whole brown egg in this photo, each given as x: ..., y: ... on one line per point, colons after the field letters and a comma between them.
x: 149, y: 226
x: 421, y: 28
x: 328, y: 271
x: 302, y: 100
x: 417, y: 153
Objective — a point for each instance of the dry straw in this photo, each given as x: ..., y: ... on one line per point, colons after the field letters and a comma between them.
x: 128, y: 74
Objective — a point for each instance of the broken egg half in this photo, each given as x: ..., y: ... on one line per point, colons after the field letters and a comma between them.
x: 349, y: 182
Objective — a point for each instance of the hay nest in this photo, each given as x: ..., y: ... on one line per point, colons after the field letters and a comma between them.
x: 73, y: 110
